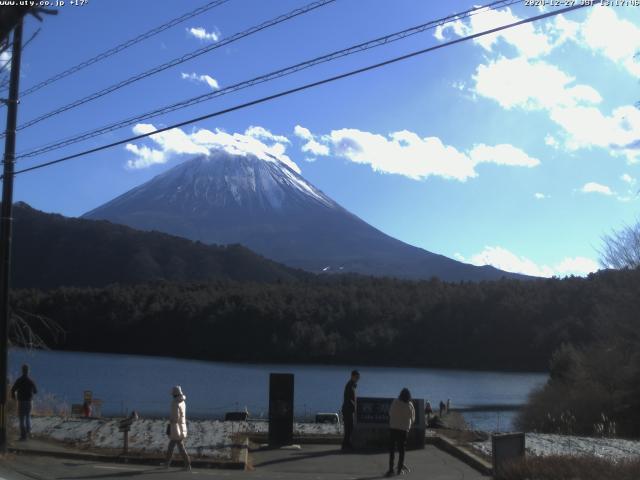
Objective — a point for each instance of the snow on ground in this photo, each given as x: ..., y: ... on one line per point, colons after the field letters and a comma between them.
x: 208, y: 438
x: 549, y: 444
x: 214, y: 438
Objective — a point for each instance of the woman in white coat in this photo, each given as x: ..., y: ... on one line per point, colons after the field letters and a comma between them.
x: 402, y: 416
x: 178, y: 427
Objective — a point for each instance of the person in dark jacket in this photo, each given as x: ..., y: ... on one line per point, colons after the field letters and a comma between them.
x: 23, y: 391
x: 349, y: 409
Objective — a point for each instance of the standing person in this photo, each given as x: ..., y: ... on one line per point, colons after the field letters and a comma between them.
x: 442, y: 407
x: 87, y: 409
x: 349, y: 409
x: 448, y: 404
x: 428, y: 410
x: 402, y: 415
x: 178, y: 427
x: 23, y: 391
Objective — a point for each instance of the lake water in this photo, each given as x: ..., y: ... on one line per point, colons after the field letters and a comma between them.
x: 127, y: 382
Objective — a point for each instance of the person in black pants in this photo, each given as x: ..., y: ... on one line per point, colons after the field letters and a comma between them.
x: 349, y: 409
x: 23, y: 390
x: 402, y: 416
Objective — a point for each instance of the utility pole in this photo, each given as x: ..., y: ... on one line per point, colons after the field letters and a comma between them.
x: 5, y: 228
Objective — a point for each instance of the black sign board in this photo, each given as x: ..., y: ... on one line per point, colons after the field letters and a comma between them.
x: 373, y: 410
x: 281, y: 409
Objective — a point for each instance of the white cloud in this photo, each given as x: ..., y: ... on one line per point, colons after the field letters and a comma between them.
x: 402, y: 153
x: 504, y: 259
x: 628, y: 179
x: 595, y: 33
x: 176, y: 142
x: 302, y: 132
x: 264, y: 134
x: 594, y: 187
x: 518, y: 82
x: 171, y: 142
x: 586, y: 127
x: 406, y: 153
x: 540, y: 196
x: 194, y: 77
x: 527, y: 82
x: 537, y: 85
x: 503, y: 154
x: 315, y: 148
x: 201, y: 34
x: 527, y: 39
x: 581, y: 266
x: 311, y: 146
x: 144, y: 156
x: 615, y: 38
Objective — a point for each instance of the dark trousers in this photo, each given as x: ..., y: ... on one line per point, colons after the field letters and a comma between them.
x: 397, y: 438
x: 347, y: 417
x: 24, y: 416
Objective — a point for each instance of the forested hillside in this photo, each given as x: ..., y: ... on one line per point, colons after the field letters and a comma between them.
x: 52, y: 250
x: 503, y: 325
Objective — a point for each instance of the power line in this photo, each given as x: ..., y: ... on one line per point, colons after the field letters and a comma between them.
x: 265, y: 78
x: 177, y: 61
x: 306, y: 86
x: 124, y: 46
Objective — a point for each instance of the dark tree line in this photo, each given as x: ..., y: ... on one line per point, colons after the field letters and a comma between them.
x: 506, y: 325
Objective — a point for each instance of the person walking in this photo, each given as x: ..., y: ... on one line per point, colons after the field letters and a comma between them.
x: 23, y: 391
x: 349, y: 409
x: 402, y: 415
x: 177, y: 428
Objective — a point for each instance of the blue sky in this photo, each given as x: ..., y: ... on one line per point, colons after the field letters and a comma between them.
x: 515, y: 150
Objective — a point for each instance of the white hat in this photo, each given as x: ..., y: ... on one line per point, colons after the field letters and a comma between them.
x: 176, y: 391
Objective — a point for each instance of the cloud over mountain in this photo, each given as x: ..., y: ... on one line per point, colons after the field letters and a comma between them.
x: 406, y: 153
x: 256, y: 141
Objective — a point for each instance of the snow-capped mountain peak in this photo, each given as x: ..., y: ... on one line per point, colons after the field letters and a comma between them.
x: 265, y: 204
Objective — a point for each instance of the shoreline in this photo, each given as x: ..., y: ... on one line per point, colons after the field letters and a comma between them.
x: 346, y: 366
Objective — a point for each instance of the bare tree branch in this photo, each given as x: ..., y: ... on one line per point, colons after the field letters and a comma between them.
x: 23, y: 329
x: 621, y: 248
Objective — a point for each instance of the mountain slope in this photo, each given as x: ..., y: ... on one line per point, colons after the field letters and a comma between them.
x: 52, y: 250
x: 272, y: 210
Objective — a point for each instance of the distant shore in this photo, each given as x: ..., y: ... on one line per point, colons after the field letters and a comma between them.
x: 347, y: 366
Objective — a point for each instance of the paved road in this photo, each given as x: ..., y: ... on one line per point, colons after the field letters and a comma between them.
x: 312, y: 462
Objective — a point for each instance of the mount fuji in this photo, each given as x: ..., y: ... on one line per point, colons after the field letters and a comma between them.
x: 265, y: 205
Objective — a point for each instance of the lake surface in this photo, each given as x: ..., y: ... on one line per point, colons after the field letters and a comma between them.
x: 128, y: 382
